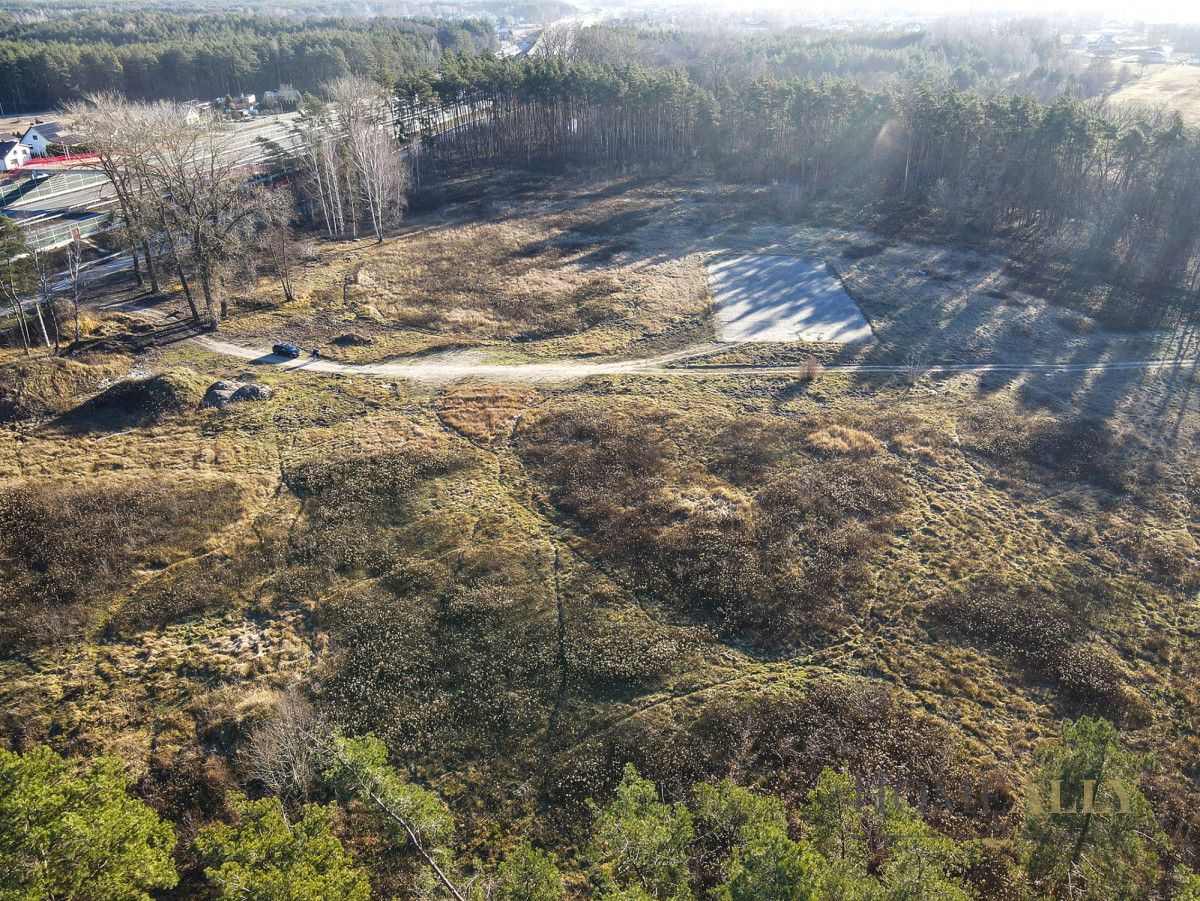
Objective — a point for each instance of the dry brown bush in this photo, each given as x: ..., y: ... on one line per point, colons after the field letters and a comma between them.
x: 778, y: 741
x: 65, y: 547
x: 1046, y: 634
x: 777, y: 551
x: 841, y: 439
x: 484, y: 412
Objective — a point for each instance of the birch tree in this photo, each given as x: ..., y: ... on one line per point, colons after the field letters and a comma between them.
x: 75, y: 280
x: 381, y: 174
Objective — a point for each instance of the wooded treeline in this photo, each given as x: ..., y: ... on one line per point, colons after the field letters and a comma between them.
x: 158, y: 55
x: 1024, y: 55
x: 1114, y: 188
x: 532, y: 112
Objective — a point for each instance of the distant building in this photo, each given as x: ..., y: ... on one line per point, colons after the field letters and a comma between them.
x: 240, y: 102
x: 40, y: 135
x: 1156, y: 55
x: 196, y: 110
x: 1106, y: 43
x: 14, y: 154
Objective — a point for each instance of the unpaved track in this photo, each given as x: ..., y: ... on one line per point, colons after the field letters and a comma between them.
x: 671, y: 364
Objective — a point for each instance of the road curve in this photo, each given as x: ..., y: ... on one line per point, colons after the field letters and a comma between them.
x: 669, y: 364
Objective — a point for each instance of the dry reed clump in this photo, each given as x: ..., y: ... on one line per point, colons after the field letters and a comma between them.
x: 1046, y: 634
x: 482, y: 411
x: 66, y: 547
x: 841, y: 439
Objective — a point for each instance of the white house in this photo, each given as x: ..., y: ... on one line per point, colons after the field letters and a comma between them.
x: 40, y: 135
x: 14, y: 153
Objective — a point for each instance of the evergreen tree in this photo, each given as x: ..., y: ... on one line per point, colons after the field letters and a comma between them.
x: 263, y: 857
x: 642, y: 843
x: 75, y: 833
x: 528, y: 874
x: 772, y: 867
x: 1089, y: 832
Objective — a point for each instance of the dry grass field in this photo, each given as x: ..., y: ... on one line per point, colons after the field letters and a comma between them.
x: 1166, y: 87
x: 617, y: 270
x: 597, y: 270
x: 521, y: 587
x: 708, y: 544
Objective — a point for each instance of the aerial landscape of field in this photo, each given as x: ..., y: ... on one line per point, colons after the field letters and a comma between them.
x: 525, y: 452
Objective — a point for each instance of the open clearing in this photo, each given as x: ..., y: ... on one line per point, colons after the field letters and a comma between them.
x: 1175, y: 87
x: 777, y: 298
x: 612, y: 272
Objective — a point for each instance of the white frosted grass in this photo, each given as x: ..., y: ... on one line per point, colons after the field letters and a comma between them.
x: 779, y: 298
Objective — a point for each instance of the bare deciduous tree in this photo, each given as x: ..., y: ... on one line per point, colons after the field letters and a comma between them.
x: 76, y: 277
x: 353, y: 164
x: 280, y: 753
x: 279, y: 241
x: 207, y: 205
x: 43, y: 299
x: 115, y: 130
x: 382, y: 176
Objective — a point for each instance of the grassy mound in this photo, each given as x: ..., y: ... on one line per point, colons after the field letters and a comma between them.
x: 42, y: 387
x: 68, y: 548
x: 138, y: 401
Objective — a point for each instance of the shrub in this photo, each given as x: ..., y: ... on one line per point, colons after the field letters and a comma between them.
x: 1043, y: 634
x: 1083, y: 449
x: 1112, y: 852
x: 528, y: 874
x: 642, y: 843
x: 840, y: 439
x: 350, y: 502
x: 760, y: 557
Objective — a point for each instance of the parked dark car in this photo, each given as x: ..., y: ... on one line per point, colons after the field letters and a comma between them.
x: 286, y: 350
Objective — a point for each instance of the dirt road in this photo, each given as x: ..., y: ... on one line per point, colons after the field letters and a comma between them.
x: 460, y: 365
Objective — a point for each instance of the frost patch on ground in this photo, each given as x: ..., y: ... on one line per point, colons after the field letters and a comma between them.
x: 782, y: 298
